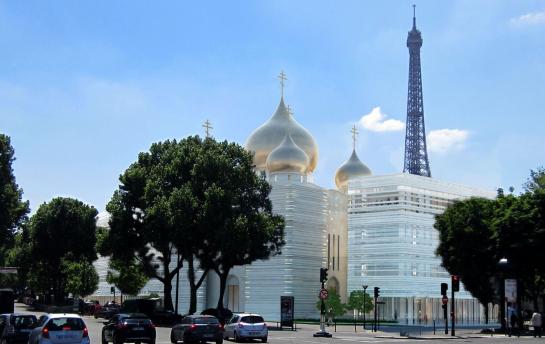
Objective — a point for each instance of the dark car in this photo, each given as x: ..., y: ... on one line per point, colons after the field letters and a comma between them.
x: 15, y: 328
x: 151, y: 308
x: 197, y: 328
x: 107, y: 311
x: 129, y: 327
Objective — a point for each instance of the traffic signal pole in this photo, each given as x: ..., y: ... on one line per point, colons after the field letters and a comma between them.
x: 323, y: 295
x: 453, y: 313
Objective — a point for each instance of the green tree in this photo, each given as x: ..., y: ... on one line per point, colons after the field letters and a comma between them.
x: 467, y: 247
x: 332, y: 304
x: 19, y: 255
x: 13, y: 210
x: 200, y: 199
x: 356, y: 301
x: 63, y: 229
x: 241, y: 225
x: 128, y: 277
x: 148, y: 212
x: 81, y: 277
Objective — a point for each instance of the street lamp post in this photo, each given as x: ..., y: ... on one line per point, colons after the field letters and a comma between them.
x: 502, y: 264
x: 364, y: 293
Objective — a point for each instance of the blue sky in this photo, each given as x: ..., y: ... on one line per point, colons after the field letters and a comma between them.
x: 85, y: 86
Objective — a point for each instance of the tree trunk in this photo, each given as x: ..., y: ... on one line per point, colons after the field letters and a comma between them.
x: 223, y: 283
x: 486, y: 313
x: 167, y: 292
x: 193, y: 286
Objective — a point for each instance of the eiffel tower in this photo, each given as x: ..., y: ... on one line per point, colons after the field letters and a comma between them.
x: 416, y: 155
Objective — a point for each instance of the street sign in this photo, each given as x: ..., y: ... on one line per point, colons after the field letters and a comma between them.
x: 323, y: 294
x: 445, y: 300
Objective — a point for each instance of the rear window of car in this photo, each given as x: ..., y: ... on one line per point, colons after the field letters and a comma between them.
x: 205, y: 320
x: 65, y: 324
x: 252, y: 319
x: 143, y: 321
x: 23, y: 321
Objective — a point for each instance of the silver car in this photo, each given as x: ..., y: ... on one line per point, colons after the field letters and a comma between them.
x: 246, y: 326
x: 60, y: 329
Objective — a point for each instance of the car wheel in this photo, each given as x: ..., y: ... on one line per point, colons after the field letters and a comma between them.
x: 104, y: 341
x: 172, y: 339
x: 219, y: 341
x: 96, y: 317
x: 236, y: 337
x: 117, y: 340
x: 264, y: 340
x: 151, y: 342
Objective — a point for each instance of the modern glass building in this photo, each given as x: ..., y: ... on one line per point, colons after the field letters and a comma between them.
x: 392, y: 243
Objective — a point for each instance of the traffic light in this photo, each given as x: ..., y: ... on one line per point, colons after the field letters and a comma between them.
x: 455, y: 283
x: 444, y: 288
x: 377, y: 292
x: 323, y: 274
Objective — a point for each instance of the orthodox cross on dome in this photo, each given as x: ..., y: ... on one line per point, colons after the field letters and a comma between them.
x: 207, y: 126
x: 282, y: 77
x: 355, y: 133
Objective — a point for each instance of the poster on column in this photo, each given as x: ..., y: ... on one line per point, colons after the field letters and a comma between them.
x: 286, y: 310
x: 511, y: 290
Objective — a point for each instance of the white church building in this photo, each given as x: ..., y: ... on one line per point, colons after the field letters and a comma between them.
x: 371, y: 230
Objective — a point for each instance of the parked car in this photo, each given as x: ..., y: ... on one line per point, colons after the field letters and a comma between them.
x: 246, y: 326
x: 107, y: 311
x: 131, y: 327
x: 59, y: 329
x: 15, y: 327
x: 197, y: 328
x: 153, y: 309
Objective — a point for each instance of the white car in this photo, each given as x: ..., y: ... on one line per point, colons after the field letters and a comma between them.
x: 246, y: 326
x: 60, y: 329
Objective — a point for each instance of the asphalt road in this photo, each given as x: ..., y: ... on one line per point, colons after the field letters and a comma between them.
x: 344, y: 334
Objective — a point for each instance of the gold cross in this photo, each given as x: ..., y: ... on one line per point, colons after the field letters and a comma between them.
x: 354, y: 132
x: 282, y: 77
x: 207, y: 125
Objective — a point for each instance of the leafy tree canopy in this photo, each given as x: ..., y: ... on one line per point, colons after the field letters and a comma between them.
x: 61, y: 230
x: 13, y: 210
x: 81, y: 277
x: 128, y: 277
x: 356, y: 301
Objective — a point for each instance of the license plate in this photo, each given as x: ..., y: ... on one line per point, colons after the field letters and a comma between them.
x: 208, y: 335
x: 253, y: 333
x: 138, y: 329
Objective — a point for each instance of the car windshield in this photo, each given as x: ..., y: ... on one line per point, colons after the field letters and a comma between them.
x: 65, y: 324
x: 205, y: 320
x: 23, y: 321
x: 252, y: 319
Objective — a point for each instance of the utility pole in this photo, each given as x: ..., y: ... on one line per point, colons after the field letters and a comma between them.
x: 364, y: 304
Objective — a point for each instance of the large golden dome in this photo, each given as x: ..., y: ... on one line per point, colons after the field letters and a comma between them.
x: 351, y: 169
x: 270, y: 134
x: 287, y: 157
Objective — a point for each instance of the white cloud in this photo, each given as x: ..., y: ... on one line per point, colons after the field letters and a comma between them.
x: 532, y: 18
x: 376, y: 121
x: 444, y: 140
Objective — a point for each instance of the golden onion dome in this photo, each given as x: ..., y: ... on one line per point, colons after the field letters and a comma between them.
x: 287, y: 157
x: 270, y: 134
x: 351, y: 169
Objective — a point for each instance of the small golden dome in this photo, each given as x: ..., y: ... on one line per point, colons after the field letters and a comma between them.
x: 287, y: 157
x: 351, y: 169
x: 269, y: 135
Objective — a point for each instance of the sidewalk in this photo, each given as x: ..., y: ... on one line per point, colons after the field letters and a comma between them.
x: 395, y: 332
